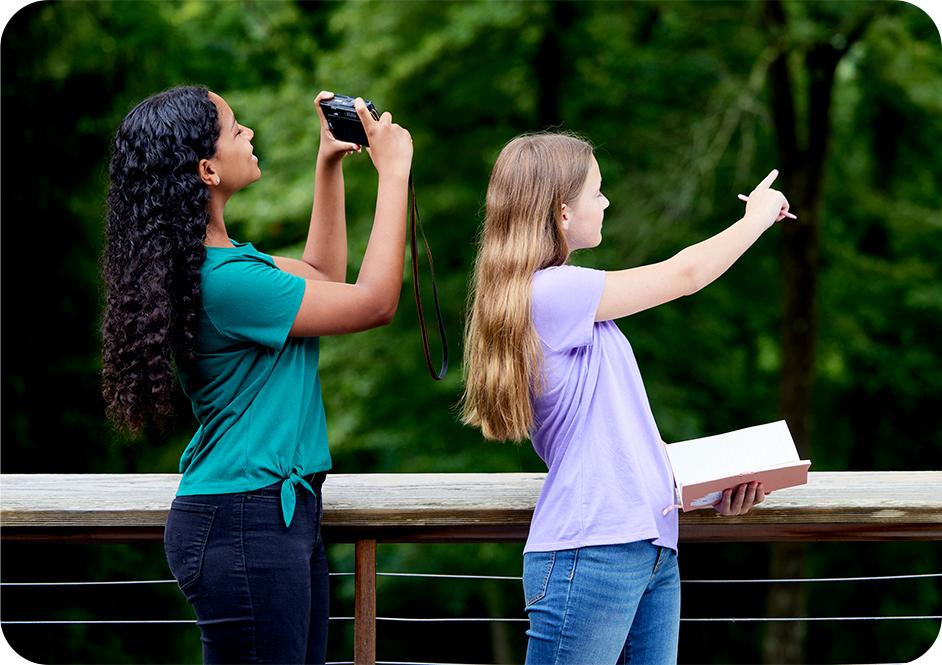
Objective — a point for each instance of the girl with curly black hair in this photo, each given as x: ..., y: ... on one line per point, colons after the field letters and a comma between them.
x: 240, y: 329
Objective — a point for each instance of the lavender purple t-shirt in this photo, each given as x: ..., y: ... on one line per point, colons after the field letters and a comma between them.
x: 609, y: 480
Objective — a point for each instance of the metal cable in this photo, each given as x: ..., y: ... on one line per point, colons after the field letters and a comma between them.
x: 462, y: 577
x: 890, y: 618
x: 481, y: 619
x: 505, y: 577
x: 419, y: 662
x: 3, y: 584
x: 119, y: 621
x: 816, y: 579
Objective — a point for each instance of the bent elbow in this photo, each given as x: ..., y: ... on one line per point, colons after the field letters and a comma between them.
x: 688, y: 276
x: 382, y: 311
x: 376, y: 308
x: 692, y: 280
x: 385, y: 315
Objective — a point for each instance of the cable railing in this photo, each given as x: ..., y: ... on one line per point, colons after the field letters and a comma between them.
x: 484, y: 619
x: 509, y: 577
x: 885, y: 506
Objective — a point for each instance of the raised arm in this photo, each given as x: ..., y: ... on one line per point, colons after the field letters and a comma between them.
x: 325, y: 253
x: 330, y: 308
x: 634, y: 290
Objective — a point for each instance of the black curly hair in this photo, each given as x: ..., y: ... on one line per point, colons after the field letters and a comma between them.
x: 156, y: 222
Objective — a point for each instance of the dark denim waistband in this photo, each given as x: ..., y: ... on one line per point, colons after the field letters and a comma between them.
x: 315, y: 480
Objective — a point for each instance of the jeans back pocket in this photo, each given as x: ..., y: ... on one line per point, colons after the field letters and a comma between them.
x: 537, y: 569
x: 185, y: 536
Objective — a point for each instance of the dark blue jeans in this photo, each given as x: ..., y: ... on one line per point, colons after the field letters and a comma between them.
x: 260, y: 589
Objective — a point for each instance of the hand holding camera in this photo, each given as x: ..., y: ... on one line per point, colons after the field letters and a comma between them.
x: 390, y: 145
x: 353, y: 122
x: 331, y: 145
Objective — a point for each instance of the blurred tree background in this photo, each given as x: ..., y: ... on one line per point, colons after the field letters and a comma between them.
x: 832, y: 322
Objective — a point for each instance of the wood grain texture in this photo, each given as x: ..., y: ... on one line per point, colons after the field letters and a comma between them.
x: 364, y: 626
x: 474, y: 507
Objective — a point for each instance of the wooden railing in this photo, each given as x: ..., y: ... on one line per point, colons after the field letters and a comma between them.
x: 466, y: 507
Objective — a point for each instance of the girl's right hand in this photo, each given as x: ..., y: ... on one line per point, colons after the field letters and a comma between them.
x: 768, y: 205
x: 390, y: 145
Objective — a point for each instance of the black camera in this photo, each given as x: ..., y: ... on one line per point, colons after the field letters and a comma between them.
x: 343, y: 121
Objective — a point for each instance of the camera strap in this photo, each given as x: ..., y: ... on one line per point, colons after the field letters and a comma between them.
x: 415, y: 222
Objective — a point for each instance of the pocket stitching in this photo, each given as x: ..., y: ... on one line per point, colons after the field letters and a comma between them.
x: 265, y: 498
x: 203, y: 509
x: 545, y: 584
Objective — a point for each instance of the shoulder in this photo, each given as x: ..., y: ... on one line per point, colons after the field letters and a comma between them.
x: 224, y: 264
x: 239, y: 256
x: 243, y: 275
x: 556, y: 280
x: 564, y: 302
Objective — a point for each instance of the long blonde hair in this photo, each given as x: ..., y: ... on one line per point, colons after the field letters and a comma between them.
x: 535, y: 174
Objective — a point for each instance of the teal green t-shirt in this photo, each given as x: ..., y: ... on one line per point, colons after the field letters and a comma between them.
x: 256, y: 392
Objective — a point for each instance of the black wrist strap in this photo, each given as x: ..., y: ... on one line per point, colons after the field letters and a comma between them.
x: 415, y: 222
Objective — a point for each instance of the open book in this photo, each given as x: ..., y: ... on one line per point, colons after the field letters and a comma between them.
x: 703, y: 468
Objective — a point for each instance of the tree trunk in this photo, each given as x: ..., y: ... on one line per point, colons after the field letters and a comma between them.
x: 803, y: 172
x: 550, y: 65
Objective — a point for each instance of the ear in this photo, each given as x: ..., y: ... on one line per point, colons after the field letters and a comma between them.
x: 207, y: 172
x: 565, y: 217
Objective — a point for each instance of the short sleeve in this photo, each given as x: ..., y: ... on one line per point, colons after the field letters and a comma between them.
x: 252, y: 301
x: 565, y: 300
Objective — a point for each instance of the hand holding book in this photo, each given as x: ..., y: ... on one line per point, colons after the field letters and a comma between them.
x: 740, y: 500
x: 717, y: 471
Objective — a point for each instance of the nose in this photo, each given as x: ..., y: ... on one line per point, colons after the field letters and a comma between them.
x: 251, y: 133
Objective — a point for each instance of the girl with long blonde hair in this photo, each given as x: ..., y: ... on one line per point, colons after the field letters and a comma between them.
x: 544, y: 360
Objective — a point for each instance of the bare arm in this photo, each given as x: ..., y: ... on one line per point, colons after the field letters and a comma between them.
x: 326, y: 248
x: 634, y: 290
x: 325, y: 253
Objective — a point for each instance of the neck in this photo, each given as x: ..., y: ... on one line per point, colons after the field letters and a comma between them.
x: 216, y: 234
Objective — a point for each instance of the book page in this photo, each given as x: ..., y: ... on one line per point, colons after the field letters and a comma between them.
x: 742, y: 451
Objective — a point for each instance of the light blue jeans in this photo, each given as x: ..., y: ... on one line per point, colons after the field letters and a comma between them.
x: 603, y: 604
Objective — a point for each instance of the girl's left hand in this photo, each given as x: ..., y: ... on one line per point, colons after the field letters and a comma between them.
x: 330, y: 147
x: 740, y: 500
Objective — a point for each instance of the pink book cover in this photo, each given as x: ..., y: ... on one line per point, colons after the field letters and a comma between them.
x: 704, y: 467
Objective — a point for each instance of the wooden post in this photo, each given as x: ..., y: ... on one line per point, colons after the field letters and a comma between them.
x: 364, y: 624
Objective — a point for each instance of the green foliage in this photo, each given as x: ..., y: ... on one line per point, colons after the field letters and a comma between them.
x: 675, y: 97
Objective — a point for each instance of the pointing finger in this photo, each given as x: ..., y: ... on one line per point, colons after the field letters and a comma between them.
x: 768, y: 180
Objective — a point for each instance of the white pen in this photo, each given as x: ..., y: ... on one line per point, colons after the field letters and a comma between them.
x: 743, y: 197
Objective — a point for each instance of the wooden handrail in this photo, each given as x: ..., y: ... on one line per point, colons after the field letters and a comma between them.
x: 437, y: 507
x: 469, y: 507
